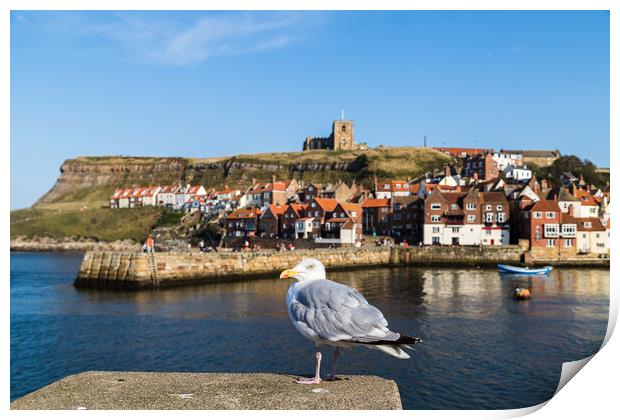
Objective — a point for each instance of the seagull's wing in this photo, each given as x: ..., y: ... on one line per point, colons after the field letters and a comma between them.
x: 337, y: 312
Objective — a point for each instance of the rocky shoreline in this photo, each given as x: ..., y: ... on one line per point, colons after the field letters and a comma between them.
x: 22, y: 244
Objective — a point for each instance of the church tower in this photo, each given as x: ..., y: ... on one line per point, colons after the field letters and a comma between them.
x: 342, y: 134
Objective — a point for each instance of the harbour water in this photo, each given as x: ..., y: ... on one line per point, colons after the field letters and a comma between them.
x: 481, y: 350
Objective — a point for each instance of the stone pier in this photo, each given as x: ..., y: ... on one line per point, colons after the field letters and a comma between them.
x: 210, y: 391
x: 136, y: 270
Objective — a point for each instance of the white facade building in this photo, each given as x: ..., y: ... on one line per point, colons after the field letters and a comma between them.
x: 466, y: 234
x: 519, y: 173
x: 504, y: 159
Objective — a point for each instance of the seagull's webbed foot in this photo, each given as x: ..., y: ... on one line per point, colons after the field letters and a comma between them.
x: 308, y: 381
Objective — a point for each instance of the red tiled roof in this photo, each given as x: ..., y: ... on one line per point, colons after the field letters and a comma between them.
x: 545, y: 205
x: 244, y: 214
x: 376, y: 202
x: 585, y: 197
x: 327, y: 204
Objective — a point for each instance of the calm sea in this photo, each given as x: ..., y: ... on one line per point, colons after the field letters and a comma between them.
x: 482, y: 349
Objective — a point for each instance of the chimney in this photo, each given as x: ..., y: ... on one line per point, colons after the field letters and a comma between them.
x: 273, y: 178
x: 446, y: 171
x: 573, y: 189
x: 475, y: 177
x: 571, y: 210
x: 253, y: 181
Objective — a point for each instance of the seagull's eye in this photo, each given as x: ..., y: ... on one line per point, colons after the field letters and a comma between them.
x: 310, y: 266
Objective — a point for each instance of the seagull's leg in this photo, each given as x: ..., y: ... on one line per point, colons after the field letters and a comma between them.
x: 332, y: 377
x: 317, y: 375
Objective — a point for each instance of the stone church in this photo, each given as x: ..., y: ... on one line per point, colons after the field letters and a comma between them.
x: 341, y: 138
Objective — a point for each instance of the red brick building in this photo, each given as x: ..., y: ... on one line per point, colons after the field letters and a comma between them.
x: 483, y: 166
x: 270, y: 222
x: 375, y: 216
x: 242, y: 222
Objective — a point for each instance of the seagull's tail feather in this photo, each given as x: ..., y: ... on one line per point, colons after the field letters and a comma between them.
x: 395, y: 351
x: 396, y: 347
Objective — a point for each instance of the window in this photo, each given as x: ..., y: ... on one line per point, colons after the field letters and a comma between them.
x: 488, y: 217
x: 435, y: 218
x: 435, y: 229
x: 313, y: 204
x: 489, y: 207
x: 569, y: 230
x: 592, y: 210
x: 311, y: 188
x: 397, y: 206
x: 353, y: 213
x: 550, y: 215
x: 501, y: 217
x: 499, y: 207
x: 587, y: 224
x: 537, y: 215
x: 454, y: 206
x: 343, y: 128
x: 568, y: 243
x: 488, y: 232
x: 470, y: 206
x: 550, y: 243
x: 396, y: 216
x: 435, y: 206
x: 435, y: 240
x: 455, y: 230
x: 552, y: 230
x: 471, y: 217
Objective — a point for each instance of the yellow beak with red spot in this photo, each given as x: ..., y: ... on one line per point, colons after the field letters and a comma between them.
x: 287, y: 274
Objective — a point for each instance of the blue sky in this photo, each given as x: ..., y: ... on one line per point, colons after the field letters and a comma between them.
x: 223, y: 83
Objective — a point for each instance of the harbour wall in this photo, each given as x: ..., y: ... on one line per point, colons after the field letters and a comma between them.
x: 137, y: 270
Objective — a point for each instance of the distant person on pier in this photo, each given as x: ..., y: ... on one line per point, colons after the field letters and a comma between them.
x: 150, y: 244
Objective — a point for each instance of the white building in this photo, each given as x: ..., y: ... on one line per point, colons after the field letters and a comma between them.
x: 505, y: 159
x: 592, y: 237
x: 167, y: 196
x: 303, y: 227
x: 519, y: 173
x: 149, y: 196
x: 464, y: 234
x: 183, y: 194
x: 589, y: 207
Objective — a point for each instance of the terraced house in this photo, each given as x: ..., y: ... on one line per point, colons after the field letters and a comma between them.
x: 466, y: 218
x: 541, y: 225
x: 242, y: 223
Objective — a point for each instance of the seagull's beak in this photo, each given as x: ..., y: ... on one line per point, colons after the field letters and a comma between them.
x: 287, y: 274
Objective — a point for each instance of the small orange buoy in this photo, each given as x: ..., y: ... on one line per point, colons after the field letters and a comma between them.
x: 521, y: 293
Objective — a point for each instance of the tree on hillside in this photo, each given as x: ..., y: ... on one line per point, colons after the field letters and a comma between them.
x: 575, y: 166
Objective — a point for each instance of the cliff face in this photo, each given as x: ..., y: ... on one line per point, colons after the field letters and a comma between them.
x: 91, y: 180
x: 87, y: 179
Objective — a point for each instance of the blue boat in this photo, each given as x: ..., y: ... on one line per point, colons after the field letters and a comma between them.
x: 523, y: 270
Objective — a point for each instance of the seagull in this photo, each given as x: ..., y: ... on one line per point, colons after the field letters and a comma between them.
x: 333, y: 314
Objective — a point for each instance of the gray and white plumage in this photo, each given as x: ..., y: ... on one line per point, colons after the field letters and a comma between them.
x: 330, y: 313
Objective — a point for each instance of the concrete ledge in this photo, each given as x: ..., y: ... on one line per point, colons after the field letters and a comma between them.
x: 209, y: 391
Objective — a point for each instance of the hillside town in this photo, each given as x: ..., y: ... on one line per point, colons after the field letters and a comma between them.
x: 495, y: 200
